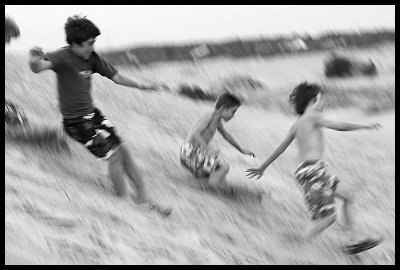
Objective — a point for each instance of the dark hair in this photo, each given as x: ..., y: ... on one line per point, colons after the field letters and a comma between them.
x: 227, y: 99
x: 79, y: 29
x: 302, y: 94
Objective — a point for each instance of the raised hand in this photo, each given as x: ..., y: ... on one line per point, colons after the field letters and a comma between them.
x: 36, y: 52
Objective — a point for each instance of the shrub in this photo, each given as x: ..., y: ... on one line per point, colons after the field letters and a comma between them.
x: 338, y: 66
x: 45, y: 138
x: 14, y: 114
x: 368, y: 69
x: 195, y: 92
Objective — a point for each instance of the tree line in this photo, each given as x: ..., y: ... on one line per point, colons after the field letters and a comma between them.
x: 240, y: 48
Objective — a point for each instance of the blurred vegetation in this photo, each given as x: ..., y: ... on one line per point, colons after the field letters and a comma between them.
x: 39, y: 136
x: 340, y: 66
x: 195, y: 92
x: 235, y: 231
x: 11, y: 29
x: 239, y: 48
x: 368, y: 99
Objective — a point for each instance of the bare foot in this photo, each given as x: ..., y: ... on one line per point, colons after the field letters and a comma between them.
x: 161, y: 210
x: 150, y: 204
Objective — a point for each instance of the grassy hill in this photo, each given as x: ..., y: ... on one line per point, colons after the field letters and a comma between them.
x: 60, y: 208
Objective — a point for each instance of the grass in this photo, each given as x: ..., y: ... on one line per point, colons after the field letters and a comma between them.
x: 44, y: 138
x: 226, y: 226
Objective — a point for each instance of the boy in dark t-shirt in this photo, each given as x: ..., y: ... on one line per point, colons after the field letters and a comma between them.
x: 74, y: 65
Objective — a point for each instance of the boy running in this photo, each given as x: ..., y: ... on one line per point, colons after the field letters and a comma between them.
x: 74, y: 65
x: 196, y: 154
x: 319, y: 186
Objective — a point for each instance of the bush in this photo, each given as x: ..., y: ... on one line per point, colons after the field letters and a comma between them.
x: 243, y: 82
x: 195, y: 92
x: 14, y: 115
x: 368, y: 69
x: 45, y: 138
x: 338, y: 67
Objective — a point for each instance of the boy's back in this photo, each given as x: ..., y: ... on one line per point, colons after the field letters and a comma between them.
x: 309, y: 137
x: 319, y: 187
x: 307, y: 130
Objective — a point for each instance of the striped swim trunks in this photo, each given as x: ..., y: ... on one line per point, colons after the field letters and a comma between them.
x: 198, y: 159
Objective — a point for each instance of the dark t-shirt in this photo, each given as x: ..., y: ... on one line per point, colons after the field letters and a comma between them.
x: 74, y: 80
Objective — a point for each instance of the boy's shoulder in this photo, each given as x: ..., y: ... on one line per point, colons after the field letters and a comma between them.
x: 58, y: 57
x: 206, y: 116
x: 205, y: 119
x: 59, y: 53
x: 61, y: 50
x: 310, y: 118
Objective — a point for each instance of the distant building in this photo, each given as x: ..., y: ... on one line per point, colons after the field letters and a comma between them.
x: 263, y: 48
x: 296, y: 45
x: 293, y: 45
x: 331, y: 43
x: 199, y: 51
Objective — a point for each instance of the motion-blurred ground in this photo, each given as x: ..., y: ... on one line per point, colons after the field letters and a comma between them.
x: 61, y: 209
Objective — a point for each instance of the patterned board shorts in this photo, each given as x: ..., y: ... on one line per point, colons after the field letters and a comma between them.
x: 198, y: 159
x: 95, y: 131
x: 319, y: 188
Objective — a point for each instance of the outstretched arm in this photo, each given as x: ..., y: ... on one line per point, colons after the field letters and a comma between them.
x: 277, y: 152
x: 228, y: 137
x: 123, y: 80
x: 343, y: 126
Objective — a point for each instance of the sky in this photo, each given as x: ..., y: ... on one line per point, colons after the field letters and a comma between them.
x: 120, y: 26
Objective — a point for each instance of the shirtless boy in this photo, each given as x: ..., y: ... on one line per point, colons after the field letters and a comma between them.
x: 196, y: 154
x: 319, y: 186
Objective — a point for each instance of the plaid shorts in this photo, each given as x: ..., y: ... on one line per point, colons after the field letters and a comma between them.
x: 95, y: 131
x: 318, y: 187
x: 198, y: 159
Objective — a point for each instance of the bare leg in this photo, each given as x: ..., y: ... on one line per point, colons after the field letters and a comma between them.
x: 358, y: 240
x: 134, y: 174
x: 218, y: 176
x: 136, y: 177
x: 348, y: 211
x: 117, y: 173
x: 318, y: 226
